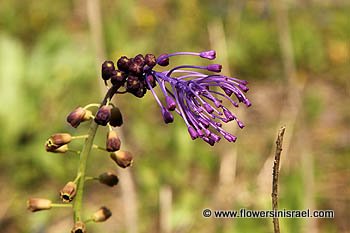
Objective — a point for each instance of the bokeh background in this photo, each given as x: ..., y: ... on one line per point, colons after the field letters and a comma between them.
x: 295, y: 54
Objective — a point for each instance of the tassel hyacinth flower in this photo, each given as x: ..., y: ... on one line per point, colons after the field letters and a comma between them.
x: 199, y: 94
x: 194, y: 95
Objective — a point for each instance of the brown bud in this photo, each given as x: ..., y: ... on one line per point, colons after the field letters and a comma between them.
x: 57, y: 143
x: 101, y: 215
x: 122, y: 158
x: 37, y: 204
x: 55, y: 149
x: 60, y: 139
x: 108, y: 178
x: 77, y: 116
x: 79, y: 227
x: 68, y: 192
x: 113, y: 141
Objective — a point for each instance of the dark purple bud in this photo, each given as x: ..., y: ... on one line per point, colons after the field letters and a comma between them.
x: 211, y: 54
x: 118, y: 77
x: 107, y: 70
x: 167, y: 116
x: 192, y: 132
x: 133, y: 83
x: 163, y: 60
x: 139, y: 59
x: 116, y: 117
x: 170, y: 103
x: 77, y: 116
x: 123, y: 63
x: 112, y: 142
x: 214, y: 68
x: 135, y: 68
x: 103, y: 115
x: 136, y: 86
x: 150, y: 60
x: 139, y: 93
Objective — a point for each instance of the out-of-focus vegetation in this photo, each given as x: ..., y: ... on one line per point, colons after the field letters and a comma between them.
x: 48, y: 67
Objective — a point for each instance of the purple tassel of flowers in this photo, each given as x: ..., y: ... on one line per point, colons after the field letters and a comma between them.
x: 196, y: 96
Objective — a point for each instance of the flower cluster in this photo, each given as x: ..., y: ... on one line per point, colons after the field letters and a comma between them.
x: 199, y: 98
x: 196, y: 96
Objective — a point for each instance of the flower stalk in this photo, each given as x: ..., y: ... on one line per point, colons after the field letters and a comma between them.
x: 84, y: 157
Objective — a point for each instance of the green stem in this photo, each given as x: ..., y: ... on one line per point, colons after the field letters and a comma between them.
x: 57, y: 205
x: 84, y: 157
x: 80, y: 136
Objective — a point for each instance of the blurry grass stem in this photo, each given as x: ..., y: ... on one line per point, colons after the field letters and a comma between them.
x: 165, y: 205
x: 292, y: 106
x: 275, y: 177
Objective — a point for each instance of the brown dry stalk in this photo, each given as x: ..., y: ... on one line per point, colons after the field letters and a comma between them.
x: 275, y: 176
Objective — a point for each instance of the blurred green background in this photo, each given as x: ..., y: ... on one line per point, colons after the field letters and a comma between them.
x: 295, y: 54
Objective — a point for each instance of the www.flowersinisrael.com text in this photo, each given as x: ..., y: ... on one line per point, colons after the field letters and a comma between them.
x: 246, y: 213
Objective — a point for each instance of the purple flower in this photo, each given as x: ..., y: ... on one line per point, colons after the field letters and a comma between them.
x: 199, y: 98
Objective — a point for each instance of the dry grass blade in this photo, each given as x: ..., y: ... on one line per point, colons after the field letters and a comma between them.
x: 275, y: 176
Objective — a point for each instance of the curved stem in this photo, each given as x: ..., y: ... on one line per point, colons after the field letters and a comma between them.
x: 84, y: 157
